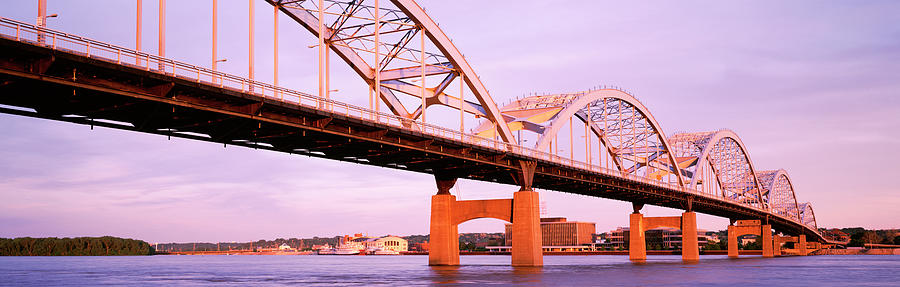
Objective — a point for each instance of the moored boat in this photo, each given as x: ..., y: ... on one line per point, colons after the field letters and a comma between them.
x: 342, y: 250
x: 386, y: 252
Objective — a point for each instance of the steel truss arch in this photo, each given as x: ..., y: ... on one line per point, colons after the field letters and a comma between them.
x: 727, y: 155
x: 779, y: 192
x: 350, y: 33
x: 808, y: 216
x: 629, y: 132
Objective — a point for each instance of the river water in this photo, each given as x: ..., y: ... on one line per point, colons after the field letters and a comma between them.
x: 242, y: 270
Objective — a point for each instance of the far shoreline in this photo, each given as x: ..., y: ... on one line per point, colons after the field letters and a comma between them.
x: 874, y: 251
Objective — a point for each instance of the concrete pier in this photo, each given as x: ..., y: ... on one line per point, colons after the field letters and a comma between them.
x: 687, y: 223
x: 522, y: 211
x: 750, y: 227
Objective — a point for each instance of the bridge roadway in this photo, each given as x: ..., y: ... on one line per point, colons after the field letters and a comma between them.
x: 42, y: 81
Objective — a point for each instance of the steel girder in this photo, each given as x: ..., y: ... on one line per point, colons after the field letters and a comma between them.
x: 351, y: 32
x: 727, y: 156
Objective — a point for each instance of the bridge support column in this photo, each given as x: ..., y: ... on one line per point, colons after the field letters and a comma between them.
x: 802, y: 243
x: 444, y: 236
x: 732, y: 242
x: 637, y: 244
x: 755, y: 227
x: 527, y: 239
x: 776, y: 246
x: 522, y: 211
x: 690, y: 248
x: 687, y: 223
x: 767, y: 242
x: 526, y: 230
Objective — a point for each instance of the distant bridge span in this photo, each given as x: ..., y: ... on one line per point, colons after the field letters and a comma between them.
x: 53, y: 75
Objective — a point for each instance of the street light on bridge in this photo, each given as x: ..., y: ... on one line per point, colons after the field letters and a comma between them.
x: 42, y: 18
x: 217, y: 61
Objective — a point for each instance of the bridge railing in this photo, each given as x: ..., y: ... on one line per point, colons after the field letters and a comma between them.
x: 93, y: 49
x: 75, y: 44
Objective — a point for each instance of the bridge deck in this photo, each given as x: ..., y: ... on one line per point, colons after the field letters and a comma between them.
x: 86, y: 89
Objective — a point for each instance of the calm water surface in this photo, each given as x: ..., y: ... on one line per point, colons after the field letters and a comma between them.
x: 245, y: 270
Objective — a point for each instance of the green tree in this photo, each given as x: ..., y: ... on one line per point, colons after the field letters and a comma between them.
x: 871, y: 237
x: 888, y: 237
x: 755, y: 245
x: 53, y: 246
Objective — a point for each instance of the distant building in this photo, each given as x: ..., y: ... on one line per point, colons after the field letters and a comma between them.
x: 664, y: 237
x: 617, y: 239
x: 558, y: 234
x: 747, y: 239
x: 358, y: 244
x: 393, y: 243
x: 371, y: 244
x: 285, y: 247
x: 712, y: 237
x: 836, y: 235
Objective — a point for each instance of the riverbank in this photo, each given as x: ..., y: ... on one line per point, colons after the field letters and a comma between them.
x: 874, y: 251
x: 617, y: 252
x: 236, y: 252
x: 581, y: 253
x: 879, y: 251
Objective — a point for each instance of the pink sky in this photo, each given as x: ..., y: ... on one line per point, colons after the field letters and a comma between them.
x: 810, y: 86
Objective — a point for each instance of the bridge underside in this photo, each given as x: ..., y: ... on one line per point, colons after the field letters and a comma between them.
x: 62, y: 86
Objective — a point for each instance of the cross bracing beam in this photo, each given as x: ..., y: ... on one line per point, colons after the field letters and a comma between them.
x: 353, y: 31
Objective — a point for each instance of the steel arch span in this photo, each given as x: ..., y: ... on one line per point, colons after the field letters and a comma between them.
x: 808, y: 216
x: 725, y: 154
x: 778, y: 191
x: 387, y: 55
x: 714, y: 163
x: 623, y: 125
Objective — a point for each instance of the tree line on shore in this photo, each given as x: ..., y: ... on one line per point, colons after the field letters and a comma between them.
x: 78, y: 246
x: 296, y: 243
x: 108, y: 245
x: 468, y: 241
x: 860, y: 236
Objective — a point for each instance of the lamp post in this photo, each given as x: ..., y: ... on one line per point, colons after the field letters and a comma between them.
x: 162, y: 34
x: 250, y: 43
x: 215, y: 66
x: 137, y: 31
x: 215, y: 20
x: 42, y: 18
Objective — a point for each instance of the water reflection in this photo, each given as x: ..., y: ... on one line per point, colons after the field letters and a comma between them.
x: 638, y: 261
x: 527, y: 275
x: 475, y: 270
x: 445, y: 274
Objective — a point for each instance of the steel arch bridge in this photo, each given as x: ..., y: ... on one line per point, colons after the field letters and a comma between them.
x: 399, y: 51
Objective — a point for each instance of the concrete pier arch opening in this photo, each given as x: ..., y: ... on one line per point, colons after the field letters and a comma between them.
x: 522, y: 211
